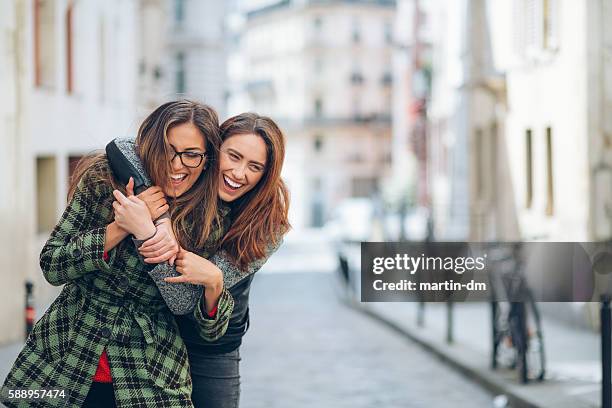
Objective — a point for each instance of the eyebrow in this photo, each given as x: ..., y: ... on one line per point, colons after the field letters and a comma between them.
x: 241, y: 156
x: 187, y: 149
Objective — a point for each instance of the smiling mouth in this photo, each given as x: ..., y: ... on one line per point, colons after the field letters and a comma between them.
x: 177, y: 179
x: 229, y: 183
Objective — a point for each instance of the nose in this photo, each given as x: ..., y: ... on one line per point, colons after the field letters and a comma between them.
x: 238, y: 172
x: 176, y: 163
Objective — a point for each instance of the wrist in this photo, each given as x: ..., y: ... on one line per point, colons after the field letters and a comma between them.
x: 146, y: 233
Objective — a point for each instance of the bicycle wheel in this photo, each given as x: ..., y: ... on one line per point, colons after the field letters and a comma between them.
x: 519, y: 334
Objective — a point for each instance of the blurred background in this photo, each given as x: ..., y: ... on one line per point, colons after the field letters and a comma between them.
x: 405, y: 120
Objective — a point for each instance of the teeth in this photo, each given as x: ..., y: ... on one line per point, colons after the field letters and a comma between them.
x: 231, y: 183
x: 178, y: 176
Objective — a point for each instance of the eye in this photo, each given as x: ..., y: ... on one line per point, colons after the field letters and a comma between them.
x: 234, y: 156
x: 255, y: 168
x: 191, y: 155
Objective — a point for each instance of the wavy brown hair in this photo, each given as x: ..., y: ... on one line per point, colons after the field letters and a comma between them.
x: 194, y: 213
x: 262, y: 213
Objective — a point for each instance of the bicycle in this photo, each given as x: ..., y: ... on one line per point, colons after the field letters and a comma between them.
x: 517, y: 334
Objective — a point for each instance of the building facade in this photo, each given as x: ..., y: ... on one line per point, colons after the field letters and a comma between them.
x: 62, y: 98
x: 184, y: 52
x: 323, y: 71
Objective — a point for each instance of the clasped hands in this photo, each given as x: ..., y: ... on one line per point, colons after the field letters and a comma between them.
x: 135, y: 214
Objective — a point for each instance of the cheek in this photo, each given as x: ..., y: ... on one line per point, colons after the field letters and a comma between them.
x: 255, y: 180
x: 195, y: 173
x: 223, y: 164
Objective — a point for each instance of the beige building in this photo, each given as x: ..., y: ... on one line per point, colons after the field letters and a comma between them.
x: 183, y: 52
x: 323, y: 71
x: 69, y: 83
x: 518, y: 120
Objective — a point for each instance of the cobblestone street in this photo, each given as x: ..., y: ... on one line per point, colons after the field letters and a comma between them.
x: 305, y: 348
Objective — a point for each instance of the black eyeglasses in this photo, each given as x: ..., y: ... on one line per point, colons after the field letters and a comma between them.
x: 189, y: 159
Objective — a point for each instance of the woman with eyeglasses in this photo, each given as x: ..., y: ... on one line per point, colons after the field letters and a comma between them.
x: 255, y: 201
x: 109, y: 339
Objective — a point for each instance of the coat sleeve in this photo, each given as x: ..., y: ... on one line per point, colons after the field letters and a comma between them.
x: 232, y: 273
x: 213, y: 328
x: 76, y: 245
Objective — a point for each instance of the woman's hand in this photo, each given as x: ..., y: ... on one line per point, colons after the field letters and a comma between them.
x: 132, y: 214
x: 155, y: 199
x: 163, y: 246
x: 197, y: 270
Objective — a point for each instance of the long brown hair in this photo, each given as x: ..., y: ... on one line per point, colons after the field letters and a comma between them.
x: 262, y: 213
x: 195, y: 212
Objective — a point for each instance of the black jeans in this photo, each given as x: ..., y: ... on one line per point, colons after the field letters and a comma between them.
x: 100, y: 395
x: 216, y: 379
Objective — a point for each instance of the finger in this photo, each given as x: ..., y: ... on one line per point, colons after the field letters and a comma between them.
x: 158, y: 247
x: 161, y: 258
x: 129, y: 188
x: 150, y: 191
x: 153, y: 253
x: 179, y: 263
x: 116, y: 205
x: 161, y: 201
x: 135, y: 199
x: 158, y: 196
x: 152, y: 241
x: 176, y: 279
x: 160, y: 211
x: 172, y: 260
x: 120, y: 197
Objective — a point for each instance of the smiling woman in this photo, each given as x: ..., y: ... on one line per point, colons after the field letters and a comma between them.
x: 187, y: 145
x: 242, y: 164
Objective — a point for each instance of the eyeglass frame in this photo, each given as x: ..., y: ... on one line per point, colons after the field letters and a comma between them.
x: 203, y: 156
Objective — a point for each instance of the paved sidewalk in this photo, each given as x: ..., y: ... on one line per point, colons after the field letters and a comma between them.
x: 573, y: 377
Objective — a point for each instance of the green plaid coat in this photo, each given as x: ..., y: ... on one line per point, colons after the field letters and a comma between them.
x: 112, y: 305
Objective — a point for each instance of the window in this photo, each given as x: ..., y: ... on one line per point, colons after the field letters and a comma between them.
x: 356, y: 36
x: 535, y: 27
x: 479, y: 167
x: 46, y: 193
x: 549, y: 174
x: 180, y: 73
x: 318, y: 65
x: 317, y: 210
x: 357, y: 114
x: 69, y: 50
x: 550, y: 21
x: 44, y: 43
x: 363, y: 187
x: 318, y: 107
x: 528, y: 169
x: 179, y: 11
x: 357, y: 78
x: 386, y: 79
x: 318, y: 143
x: 388, y: 32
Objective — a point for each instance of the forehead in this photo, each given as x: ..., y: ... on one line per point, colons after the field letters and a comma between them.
x: 185, y: 136
x: 249, y: 145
